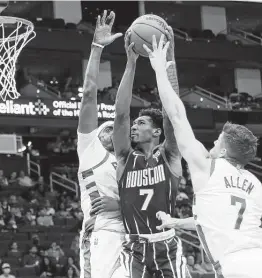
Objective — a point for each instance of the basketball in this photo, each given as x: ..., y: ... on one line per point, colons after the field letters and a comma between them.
x: 142, y: 30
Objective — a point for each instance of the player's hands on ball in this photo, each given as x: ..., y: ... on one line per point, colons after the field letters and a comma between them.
x: 103, y: 33
x: 171, y: 49
x: 158, y: 55
x: 131, y: 55
x: 104, y: 204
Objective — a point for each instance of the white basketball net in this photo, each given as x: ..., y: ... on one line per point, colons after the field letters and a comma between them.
x: 16, y: 33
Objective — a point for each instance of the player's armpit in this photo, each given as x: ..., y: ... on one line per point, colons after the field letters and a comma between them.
x: 190, y: 148
x: 84, y: 140
x: 170, y: 144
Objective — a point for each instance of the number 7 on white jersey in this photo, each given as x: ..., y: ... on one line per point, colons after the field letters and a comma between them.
x: 149, y: 194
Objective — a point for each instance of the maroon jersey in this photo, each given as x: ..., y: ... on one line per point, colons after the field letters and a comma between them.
x: 146, y: 187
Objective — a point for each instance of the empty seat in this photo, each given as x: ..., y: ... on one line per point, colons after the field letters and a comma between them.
x: 71, y: 222
x: 12, y: 261
x: 70, y: 26
x: 26, y: 271
x: 54, y: 237
x: 7, y: 236
x: 207, y: 34
x: 27, y: 229
x: 195, y: 33
x: 195, y: 274
x: 20, y: 236
x: 221, y: 37
x: 58, y: 23
x: 208, y: 275
x: 59, y: 221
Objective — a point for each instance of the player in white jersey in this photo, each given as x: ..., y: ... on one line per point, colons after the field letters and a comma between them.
x: 97, y: 174
x: 227, y: 202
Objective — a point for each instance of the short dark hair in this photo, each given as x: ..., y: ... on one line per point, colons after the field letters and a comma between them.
x: 241, y: 143
x: 155, y: 115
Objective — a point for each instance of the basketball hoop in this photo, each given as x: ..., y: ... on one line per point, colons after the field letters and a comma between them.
x: 15, y: 33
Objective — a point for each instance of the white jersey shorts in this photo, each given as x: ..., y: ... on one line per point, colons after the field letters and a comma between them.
x: 105, y: 248
x: 242, y: 264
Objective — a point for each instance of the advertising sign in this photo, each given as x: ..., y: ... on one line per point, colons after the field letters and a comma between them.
x: 51, y: 108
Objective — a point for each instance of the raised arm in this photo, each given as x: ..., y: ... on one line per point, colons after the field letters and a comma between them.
x: 88, y: 116
x: 121, y: 134
x: 170, y: 143
x: 191, y: 149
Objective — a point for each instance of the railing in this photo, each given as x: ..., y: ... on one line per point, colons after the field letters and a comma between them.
x: 32, y: 166
x: 246, y: 35
x: 42, y: 85
x: 183, y: 91
x: 258, y: 169
x: 145, y: 102
x: 198, y: 246
x: 181, y: 34
x: 212, y: 96
x: 57, y: 179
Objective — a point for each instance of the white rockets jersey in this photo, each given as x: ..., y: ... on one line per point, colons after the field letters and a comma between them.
x: 228, y: 209
x: 97, y: 177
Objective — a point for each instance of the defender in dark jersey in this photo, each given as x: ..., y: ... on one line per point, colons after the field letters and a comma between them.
x: 146, y: 185
x: 148, y: 177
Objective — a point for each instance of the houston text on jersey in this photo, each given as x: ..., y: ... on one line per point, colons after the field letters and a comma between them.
x: 145, y: 177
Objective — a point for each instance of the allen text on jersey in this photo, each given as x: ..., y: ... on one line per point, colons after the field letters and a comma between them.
x: 237, y: 182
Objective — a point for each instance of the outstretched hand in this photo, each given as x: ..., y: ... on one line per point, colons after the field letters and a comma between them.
x: 103, y: 33
x: 158, y: 55
x: 167, y: 221
x: 171, y: 49
x: 131, y: 55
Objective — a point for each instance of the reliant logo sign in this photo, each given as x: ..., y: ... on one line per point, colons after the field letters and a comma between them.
x: 50, y: 108
x: 31, y: 108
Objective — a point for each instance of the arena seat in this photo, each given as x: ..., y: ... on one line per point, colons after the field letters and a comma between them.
x: 70, y: 25
x: 26, y: 271
x: 59, y: 222
x: 208, y: 34
x: 20, y: 236
x: 58, y: 23
x: 221, y: 37
x: 28, y: 229
x: 29, y: 276
x: 54, y: 237
x: 7, y: 236
x: 195, y: 33
x: 69, y: 252
x: 71, y: 222
x: 195, y: 274
x: 13, y: 261
x: 208, y: 275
